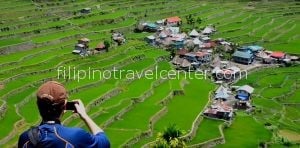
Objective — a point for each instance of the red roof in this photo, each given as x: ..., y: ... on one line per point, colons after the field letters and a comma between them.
x: 182, y: 52
x: 201, y: 54
x: 100, y: 46
x: 173, y: 19
x: 278, y: 54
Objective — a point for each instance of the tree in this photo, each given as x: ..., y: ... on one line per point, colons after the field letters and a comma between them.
x: 170, y: 138
x: 199, y: 20
x: 190, y: 20
x: 107, y: 45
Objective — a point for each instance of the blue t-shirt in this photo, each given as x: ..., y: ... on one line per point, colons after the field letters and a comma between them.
x: 59, y: 136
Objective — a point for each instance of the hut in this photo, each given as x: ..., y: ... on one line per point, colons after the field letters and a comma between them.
x: 82, y: 46
x: 100, y: 47
x: 194, y: 34
x: 86, y: 10
x: 150, y: 40
x: 208, y: 30
x: 221, y: 93
x: 219, y: 110
x: 118, y: 38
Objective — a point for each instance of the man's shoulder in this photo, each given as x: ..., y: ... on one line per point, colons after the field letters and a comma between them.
x: 72, y: 131
x: 23, y: 139
x: 24, y: 135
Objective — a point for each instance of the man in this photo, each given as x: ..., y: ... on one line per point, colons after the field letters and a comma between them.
x: 51, y: 102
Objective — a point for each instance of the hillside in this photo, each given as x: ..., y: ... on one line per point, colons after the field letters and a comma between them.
x: 37, y: 38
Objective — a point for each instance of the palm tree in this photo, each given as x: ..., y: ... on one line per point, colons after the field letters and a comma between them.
x: 170, y: 138
x: 171, y: 132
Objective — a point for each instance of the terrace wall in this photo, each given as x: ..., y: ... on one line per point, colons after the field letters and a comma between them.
x: 17, y: 47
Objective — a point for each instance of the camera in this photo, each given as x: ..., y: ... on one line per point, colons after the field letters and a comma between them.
x: 71, y: 105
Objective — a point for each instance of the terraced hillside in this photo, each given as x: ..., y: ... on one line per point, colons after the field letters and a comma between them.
x: 37, y: 37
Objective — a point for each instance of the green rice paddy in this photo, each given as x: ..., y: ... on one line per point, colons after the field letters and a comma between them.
x: 43, y: 35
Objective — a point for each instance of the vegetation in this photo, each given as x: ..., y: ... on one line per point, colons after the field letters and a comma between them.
x: 41, y: 36
x: 169, y: 138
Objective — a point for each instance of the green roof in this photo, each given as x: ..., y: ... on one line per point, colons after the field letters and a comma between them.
x: 241, y: 54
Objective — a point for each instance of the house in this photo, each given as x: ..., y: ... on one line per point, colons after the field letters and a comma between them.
x: 205, y: 39
x: 177, y: 60
x: 208, y: 30
x: 86, y: 10
x: 196, y: 41
x: 243, y: 96
x: 173, y: 21
x: 160, y: 22
x: 186, y: 64
x: 207, y: 45
x: 150, y: 40
x: 150, y: 27
x: 255, y: 48
x: 163, y: 35
x: 243, y: 57
x: 174, y: 30
x: 84, y: 41
x: 219, y: 110
x: 221, y: 93
x: 100, y: 47
x: 294, y: 58
x: 82, y: 46
x: 118, y: 38
x: 79, y: 48
x: 194, y: 34
x: 178, y: 43
x: 244, y: 93
x: 203, y: 57
x: 278, y: 55
x: 192, y: 58
x: 181, y: 52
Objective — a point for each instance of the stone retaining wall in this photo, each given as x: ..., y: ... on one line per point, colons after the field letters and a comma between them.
x: 16, y: 47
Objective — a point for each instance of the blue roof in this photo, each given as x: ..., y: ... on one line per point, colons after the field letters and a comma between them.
x: 152, y: 25
x: 242, y: 54
x: 243, y: 98
x: 255, y: 48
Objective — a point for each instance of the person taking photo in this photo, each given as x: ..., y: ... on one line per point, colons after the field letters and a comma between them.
x: 52, y: 104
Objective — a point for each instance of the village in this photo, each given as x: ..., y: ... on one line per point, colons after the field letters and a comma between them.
x: 191, y: 51
x: 226, y: 61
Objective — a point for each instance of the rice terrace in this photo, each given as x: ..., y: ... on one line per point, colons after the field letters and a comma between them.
x: 174, y: 73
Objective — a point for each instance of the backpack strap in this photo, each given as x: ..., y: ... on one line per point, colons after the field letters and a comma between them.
x: 33, y: 134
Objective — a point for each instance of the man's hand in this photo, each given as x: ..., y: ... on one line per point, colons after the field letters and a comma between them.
x: 80, y: 109
x: 94, y: 128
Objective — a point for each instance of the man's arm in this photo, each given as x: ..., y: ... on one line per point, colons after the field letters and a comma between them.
x: 94, y: 128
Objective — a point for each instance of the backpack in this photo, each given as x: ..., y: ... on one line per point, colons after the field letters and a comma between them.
x: 33, y: 134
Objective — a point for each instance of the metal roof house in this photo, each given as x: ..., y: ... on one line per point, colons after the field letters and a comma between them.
x: 150, y: 27
x: 255, y: 48
x: 278, y: 55
x: 219, y: 110
x: 82, y: 46
x: 150, y: 40
x: 173, y: 21
x: 222, y: 93
x: 194, y: 33
x: 244, y: 93
x: 243, y: 57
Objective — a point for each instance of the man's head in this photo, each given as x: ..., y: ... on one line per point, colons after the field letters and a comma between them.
x: 51, y: 100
